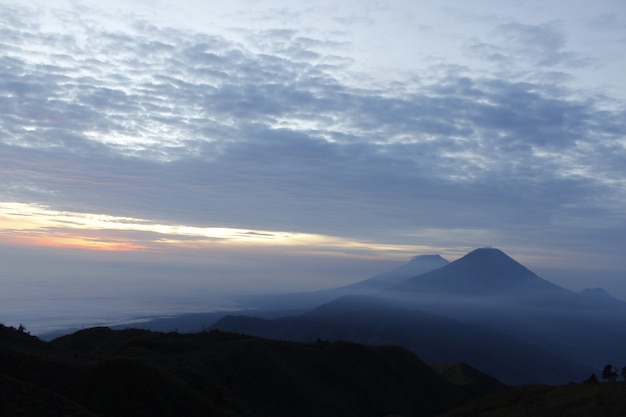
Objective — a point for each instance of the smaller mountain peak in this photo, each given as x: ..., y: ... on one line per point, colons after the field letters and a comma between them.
x: 433, y: 257
x: 600, y: 295
x: 596, y: 292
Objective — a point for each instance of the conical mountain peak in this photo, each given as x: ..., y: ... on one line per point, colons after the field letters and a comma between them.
x: 491, y: 261
x: 482, y: 271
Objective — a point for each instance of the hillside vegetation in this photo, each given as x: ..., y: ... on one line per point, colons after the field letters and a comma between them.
x: 575, y: 400
x: 133, y: 372
x: 103, y: 372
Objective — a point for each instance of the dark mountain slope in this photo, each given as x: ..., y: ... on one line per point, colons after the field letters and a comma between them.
x: 133, y: 372
x: 265, y: 377
x: 44, y: 376
x: 117, y: 386
x: 100, y: 372
x: 432, y: 337
x: 471, y: 380
x: 18, y: 398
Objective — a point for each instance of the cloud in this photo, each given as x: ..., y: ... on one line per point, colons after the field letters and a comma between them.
x: 192, y: 128
x: 28, y: 224
x: 164, y: 157
x: 530, y: 52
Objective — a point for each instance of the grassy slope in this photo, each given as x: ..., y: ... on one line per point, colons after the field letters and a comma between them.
x: 266, y: 377
x: 141, y: 373
x: 18, y: 398
x: 471, y: 380
x: 576, y: 400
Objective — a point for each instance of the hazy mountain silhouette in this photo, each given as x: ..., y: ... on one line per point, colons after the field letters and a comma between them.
x: 434, y: 338
x: 599, y: 297
x: 485, y: 309
x: 489, y: 287
x: 416, y: 266
x: 310, y: 299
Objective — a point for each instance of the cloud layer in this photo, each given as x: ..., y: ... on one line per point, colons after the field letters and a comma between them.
x: 279, y: 132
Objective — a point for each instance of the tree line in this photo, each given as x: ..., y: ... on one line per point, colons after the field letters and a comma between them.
x: 609, y: 373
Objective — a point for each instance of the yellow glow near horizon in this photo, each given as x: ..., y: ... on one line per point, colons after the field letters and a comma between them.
x: 37, y: 225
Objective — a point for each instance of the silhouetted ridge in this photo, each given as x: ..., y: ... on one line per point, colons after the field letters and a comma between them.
x: 416, y: 266
x: 348, y: 304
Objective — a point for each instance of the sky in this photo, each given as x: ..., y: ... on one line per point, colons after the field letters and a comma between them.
x: 171, y: 151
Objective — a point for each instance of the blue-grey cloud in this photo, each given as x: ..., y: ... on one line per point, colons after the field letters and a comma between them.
x: 192, y: 127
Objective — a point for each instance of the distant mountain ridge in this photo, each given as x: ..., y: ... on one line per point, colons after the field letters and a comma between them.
x: 311, y: 299
x: 416, y: 266
x: 484, y: 309
x: 510, y: 320
x: 433, y: 337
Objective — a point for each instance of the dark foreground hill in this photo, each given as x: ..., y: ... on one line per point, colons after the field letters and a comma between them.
x: 101, y: 372
x: 134, y: 372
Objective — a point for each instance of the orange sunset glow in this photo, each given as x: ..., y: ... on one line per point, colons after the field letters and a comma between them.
x: 36, y: 225
x: 76, y: 242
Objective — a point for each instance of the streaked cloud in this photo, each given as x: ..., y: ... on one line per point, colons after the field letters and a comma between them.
x: 29, y: 224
